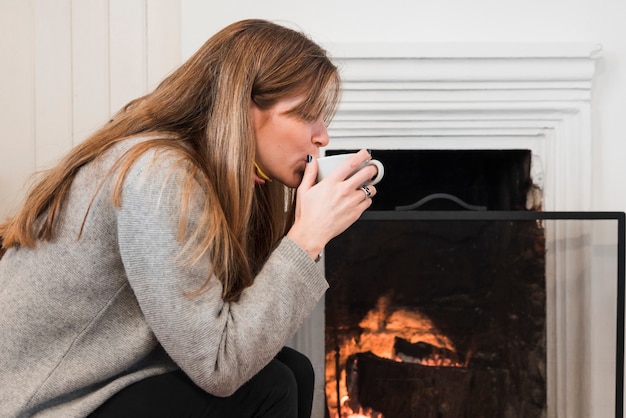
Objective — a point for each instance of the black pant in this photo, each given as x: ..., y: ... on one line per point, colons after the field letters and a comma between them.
x: 283, y: 389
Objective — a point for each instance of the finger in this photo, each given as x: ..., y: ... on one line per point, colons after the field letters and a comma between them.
x: 366, y: 192
x: 349, y: 166
x: 363, y: 176
x: 372, y: 190
x: 367, y: 172
x: 310, y: 174
x: 366, y: 200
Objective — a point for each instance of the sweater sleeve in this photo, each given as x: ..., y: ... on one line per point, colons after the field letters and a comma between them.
x: 219, y: 345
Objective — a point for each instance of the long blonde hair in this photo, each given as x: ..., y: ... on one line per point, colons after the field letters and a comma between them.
x: 201, y: 111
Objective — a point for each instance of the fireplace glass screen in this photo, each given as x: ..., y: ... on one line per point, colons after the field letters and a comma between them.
x: 474, y: 314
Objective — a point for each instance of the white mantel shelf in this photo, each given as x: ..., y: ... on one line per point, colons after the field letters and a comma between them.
x: 457, y: 50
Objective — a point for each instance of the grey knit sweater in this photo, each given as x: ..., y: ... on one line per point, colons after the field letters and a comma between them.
x: 81, y: 319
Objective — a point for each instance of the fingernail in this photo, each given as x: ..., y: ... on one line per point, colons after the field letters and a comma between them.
x: 309, y: 158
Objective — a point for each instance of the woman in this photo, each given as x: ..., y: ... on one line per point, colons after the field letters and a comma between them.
x: 161, y: 267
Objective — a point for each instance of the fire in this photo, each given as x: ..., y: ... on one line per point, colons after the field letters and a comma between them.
x: 380, y: 329
x: 347, y: 412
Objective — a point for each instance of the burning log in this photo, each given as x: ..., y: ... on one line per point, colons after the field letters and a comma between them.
x: 410, y: 390
x: 424, y: 353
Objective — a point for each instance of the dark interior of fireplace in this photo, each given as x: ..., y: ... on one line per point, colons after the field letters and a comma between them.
x: 457, y: 307
x: 493, y: 179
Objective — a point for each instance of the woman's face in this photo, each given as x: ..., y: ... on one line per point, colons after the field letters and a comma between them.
x: 283, y: 141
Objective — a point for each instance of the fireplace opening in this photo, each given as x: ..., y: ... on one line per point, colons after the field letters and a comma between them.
x: 492, y: 179
x: 439, y: 319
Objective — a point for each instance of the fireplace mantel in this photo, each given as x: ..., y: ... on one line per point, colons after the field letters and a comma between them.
x: 488, y: 96
x: 475, y: 96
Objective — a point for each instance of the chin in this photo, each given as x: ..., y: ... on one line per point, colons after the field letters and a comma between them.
x: 295, y: 181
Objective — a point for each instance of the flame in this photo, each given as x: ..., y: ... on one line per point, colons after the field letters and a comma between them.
x: 347, y: 412
x: 380, y: 327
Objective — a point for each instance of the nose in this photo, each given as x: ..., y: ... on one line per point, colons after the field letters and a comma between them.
x: 320, y: 136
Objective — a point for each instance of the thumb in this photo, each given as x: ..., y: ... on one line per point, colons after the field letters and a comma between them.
x: 310, y: 172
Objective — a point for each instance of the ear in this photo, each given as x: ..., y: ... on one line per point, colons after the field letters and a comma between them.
x: 253, y: 110
x: 258, y: 116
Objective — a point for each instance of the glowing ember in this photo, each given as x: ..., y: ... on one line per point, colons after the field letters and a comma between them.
x: 381, y: 328
x: 347, y: 412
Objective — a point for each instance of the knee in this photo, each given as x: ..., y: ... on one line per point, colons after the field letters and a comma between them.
x: 299, y: 364
x: 278, y: 381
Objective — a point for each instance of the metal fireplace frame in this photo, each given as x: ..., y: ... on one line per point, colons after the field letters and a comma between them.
x: 618, y: 217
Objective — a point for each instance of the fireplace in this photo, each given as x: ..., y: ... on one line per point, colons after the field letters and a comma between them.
x: 528, y: 99
x: 439, y: 319
x: 443, y: 314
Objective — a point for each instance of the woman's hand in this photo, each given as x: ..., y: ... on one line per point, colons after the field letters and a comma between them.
x: 326, y: 209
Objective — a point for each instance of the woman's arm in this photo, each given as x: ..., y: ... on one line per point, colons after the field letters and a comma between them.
x: 219, y: 345
x: 326, y: 209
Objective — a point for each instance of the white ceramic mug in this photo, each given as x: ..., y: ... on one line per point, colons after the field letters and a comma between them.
x: 325, y: 165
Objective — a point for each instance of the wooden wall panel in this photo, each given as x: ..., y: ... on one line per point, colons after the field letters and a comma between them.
x: 127, y: 51
x: 90, y: 66
x: 68, y: 65
x: 53, y: 81
x: 163, y: 39
x: 17, y: 101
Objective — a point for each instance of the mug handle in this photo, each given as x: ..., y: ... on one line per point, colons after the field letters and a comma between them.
x: 379, y: 175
